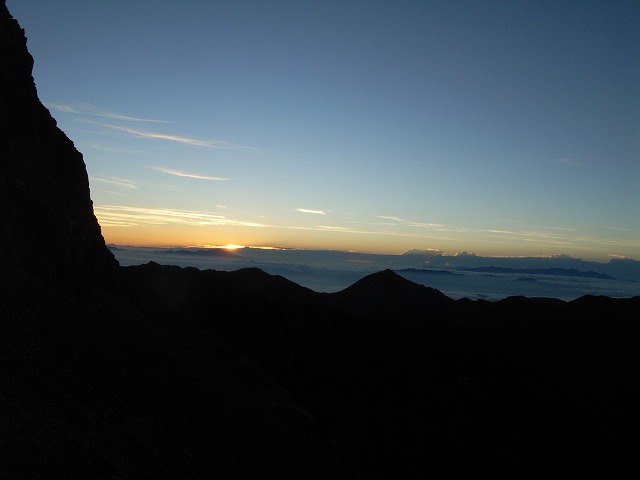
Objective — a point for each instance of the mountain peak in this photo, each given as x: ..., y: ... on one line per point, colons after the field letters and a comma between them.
x: 386, y: 292
x: 387, y: 281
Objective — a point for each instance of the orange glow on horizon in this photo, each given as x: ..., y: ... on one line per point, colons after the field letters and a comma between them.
x: 229, y: 246
x: 189, y: 236
x: 232, y: 246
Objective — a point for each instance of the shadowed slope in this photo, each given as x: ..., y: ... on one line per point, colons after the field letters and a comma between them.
x: 412, y: 382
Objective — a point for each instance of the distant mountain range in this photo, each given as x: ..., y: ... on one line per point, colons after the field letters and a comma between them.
x: 163, y: 372
x: 618, y: 268
x: 332, y: 271
x: 426, y: 271
x: 566, y: 272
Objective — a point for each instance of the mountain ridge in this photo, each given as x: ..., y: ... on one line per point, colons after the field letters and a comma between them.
x: 353, y: 348
x: 567, y: 272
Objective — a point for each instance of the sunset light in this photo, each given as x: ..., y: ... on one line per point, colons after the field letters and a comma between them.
x: 231, y: 247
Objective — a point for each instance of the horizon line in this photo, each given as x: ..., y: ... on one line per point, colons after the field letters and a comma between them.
x: 427, y: 253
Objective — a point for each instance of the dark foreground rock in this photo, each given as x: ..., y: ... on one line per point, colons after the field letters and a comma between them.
x: 165, y: 372
x: 413, y: 383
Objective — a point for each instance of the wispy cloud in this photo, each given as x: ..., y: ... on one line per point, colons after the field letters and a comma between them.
x: 127, y: 216
x: 129, y: 119
x: 553, y: 227
x: 121, y: 182
x: 87, y: 109
x: 559, y: 236
x: 623, y: 229
x: 312, y: 212
x: 194, y: 142
x: 102, y: 148
x: 333, y: 228
x: 545, y: 235
x: 424, y: 225
x: 504, y: 232
x: 567, y: 161
x: 530, y: 236
x: 386, y: 233
x: 408, y: 223
x: 178, y: 173
x: 388, y: 217
x: 93, y: 111
x: 62, y: 108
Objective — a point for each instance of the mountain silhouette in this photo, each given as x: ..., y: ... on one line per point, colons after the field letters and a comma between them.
x: 386, y: 286
x: 567, y: 272
x: 158, y: 371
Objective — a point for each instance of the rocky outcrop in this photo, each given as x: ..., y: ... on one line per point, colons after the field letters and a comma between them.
x: 48, y: 234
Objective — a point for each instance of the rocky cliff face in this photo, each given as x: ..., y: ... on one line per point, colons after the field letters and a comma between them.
x: 48, y: 232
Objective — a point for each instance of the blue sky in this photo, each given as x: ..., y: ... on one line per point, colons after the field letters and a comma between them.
x: 503, y: 128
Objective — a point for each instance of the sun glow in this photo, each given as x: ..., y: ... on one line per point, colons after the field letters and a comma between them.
x: 229, y: 246
x: 232, y: 247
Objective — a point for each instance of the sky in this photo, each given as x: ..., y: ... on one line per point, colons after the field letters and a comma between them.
x: 500, y: 128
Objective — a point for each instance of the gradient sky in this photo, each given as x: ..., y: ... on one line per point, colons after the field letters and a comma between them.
x: 502, y: 128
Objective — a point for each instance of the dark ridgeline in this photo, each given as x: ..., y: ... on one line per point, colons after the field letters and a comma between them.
x: 412, y: 383
x: 165, y: 372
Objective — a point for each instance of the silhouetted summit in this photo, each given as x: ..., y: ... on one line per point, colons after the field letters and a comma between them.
x: 387, y: 286
x: 387, y: 292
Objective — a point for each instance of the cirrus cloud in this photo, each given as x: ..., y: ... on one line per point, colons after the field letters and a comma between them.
x: 120, y: 182
x: 178, y: 173
x: 194, y: 142
x: 88, y: 109
x: 129, y: 216
x: 312, y: 212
